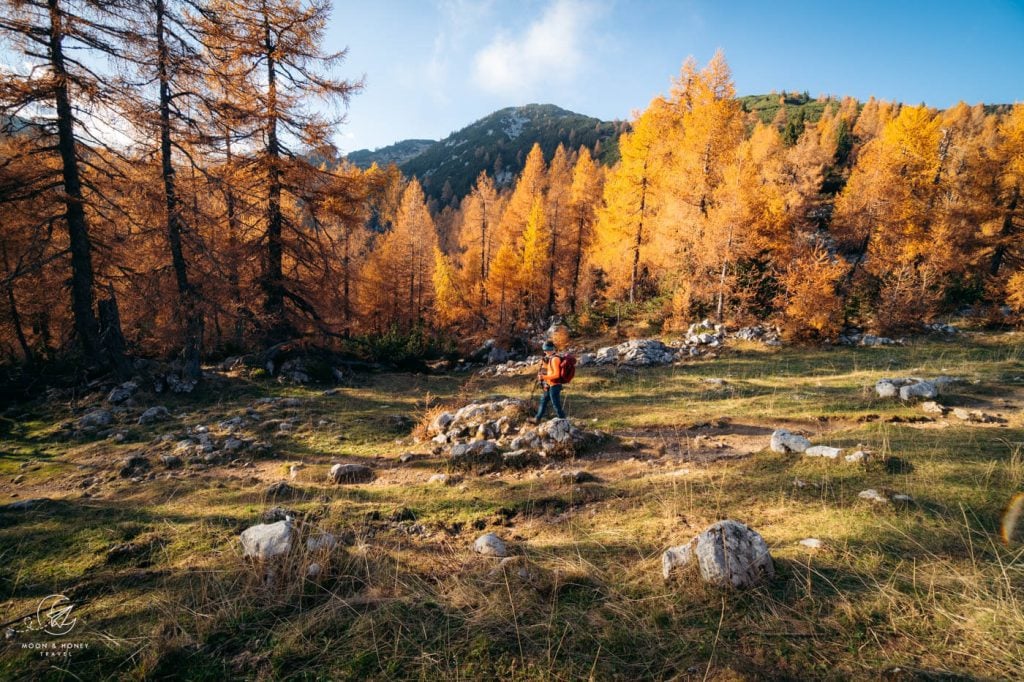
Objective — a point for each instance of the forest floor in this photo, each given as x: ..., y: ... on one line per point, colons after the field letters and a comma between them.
x: 152, y: 563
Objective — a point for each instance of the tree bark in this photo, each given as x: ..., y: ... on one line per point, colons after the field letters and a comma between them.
x: 639, y: 238
x: 187, y: 299
x: 86, y: 326
x: 273, y: 277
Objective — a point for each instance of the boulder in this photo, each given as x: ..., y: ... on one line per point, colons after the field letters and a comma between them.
x: 122, y: 393
x: 889, y: 388
x: 558, y: 430
x: 321, y: 541
x: 477, y: 452
x: 96, y: 418
x: 133, y: 465
x: 171, y: 461
x: 783, y: 441
x: 154, y: 414
x: 490, y: 545
x: 518, y: 459
x: 823, y: 451
x: 267, y: 540
x: 279, y: 489
x: 729, y: 554
x: 351, y: 473
x: 924, y: 390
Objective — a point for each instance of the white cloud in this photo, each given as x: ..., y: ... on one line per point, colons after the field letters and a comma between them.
x: 550, y: 50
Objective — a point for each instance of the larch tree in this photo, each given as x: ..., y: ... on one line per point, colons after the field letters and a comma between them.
x: 279, y: 45
x: 52, y: 36
x: 536, y: 254
x: 478, y: 236
x: 632, y: 191
x: 584, y: 202
x: 399, y: 269
x: 530, y: 186
x: 558, y: 220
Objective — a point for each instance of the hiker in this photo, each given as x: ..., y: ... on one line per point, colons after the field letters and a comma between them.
x: 556, y: 371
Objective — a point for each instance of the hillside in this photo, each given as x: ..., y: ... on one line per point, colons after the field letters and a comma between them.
x: 398, y: 153
x: 767, y: 106
x: 499, y: 143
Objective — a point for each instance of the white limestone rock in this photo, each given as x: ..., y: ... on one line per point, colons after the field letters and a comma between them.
x: 729, y: 554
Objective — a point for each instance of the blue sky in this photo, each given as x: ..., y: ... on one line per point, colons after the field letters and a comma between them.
x: 434, y: 66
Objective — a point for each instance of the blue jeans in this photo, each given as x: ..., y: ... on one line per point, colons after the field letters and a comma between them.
x: 553, y: 395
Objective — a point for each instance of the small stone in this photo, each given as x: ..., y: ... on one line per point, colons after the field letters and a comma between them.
x: 96, y: 418
x: 313, y: 570
x: 902, y: 499
x: 823, y: 451
x: 133, y: 465
x: 873, y: 496
x: 783, y: 441
x: 18, y: 479
x: 233, y: 444
x: 171, y: 461
x: 265, y: 541
x: 275, y: 514
x: 293, y: 470
x: 279, y: 489
x: 490, y: 545
x: 578, y: 476
x: 321, y: 541
x: 932, y: 407
x: 813, y: 543
x: 445, y: 479
x: 351, y: 473
x: 407, y: 457
x: 858, y: 456
x: 122, y: 393
x: 154, y: 414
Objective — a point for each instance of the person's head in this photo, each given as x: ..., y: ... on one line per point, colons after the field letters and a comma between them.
x: 548, y: 347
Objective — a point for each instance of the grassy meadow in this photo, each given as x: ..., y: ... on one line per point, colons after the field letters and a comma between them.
x: 923, y: 592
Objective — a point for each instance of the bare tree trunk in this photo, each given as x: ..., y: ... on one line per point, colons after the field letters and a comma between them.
x: 187, y: 299
x: 577, y: 261
x: 639, y: 238
x: 273, y: 276
x: 1007, y: 229
x: 86, y: 326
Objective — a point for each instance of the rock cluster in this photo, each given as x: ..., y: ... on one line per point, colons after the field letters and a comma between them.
x: 705, y: 333
x: 635, y: 353
x: 511, y: 368
x: 494, y: 433
x: 769, y: 336
x: 876, y: 497
x: 729, y: 554
x: 911, y: 388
